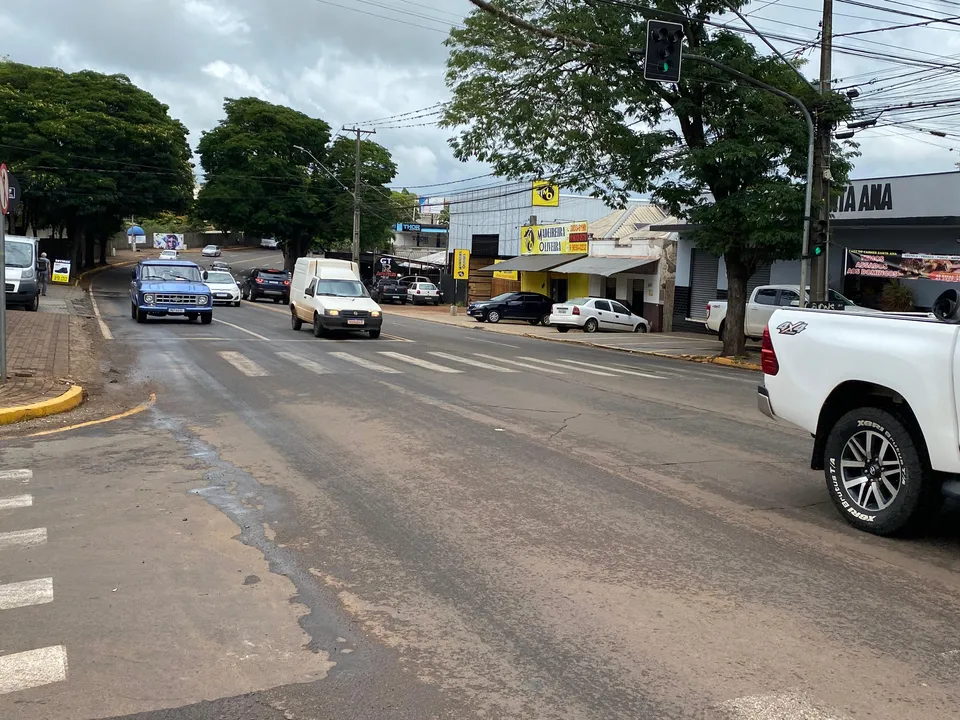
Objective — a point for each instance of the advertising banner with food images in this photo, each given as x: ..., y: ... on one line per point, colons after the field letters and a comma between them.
x: 903, y: 266
x: 557, y: 239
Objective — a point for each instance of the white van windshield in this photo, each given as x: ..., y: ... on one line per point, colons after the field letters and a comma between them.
x: 18, y: 254
x: 341, y: 288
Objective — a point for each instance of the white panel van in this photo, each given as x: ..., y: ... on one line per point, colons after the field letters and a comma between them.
x: 327, y: 294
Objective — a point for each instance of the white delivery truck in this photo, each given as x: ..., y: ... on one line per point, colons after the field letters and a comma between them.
x: 20, y: 272
x: 328, y: 295
x: 880, y: 396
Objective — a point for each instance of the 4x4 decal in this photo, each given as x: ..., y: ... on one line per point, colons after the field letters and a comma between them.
x: 789, y: 328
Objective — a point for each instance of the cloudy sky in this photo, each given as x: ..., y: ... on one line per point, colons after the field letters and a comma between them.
x: 356, y: 61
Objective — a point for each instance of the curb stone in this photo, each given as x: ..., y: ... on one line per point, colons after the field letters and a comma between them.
x: 54, y: 406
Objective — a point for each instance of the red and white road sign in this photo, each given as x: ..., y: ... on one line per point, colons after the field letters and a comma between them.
x: 4, y: 189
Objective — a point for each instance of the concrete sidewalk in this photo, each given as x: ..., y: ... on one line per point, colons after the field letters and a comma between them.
x: 681, y: 345
x: 43, y: 350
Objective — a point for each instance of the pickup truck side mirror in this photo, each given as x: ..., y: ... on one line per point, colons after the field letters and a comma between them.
x: 309, y: 291
x: 206, y: 275
x: 946, y: 308
x: 133, y: 274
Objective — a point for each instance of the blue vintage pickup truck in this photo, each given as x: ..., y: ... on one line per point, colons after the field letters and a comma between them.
x: 170, y: 287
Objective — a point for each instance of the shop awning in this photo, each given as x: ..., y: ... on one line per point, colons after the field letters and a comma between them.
x: 607, y: 266
x: 533, y: 263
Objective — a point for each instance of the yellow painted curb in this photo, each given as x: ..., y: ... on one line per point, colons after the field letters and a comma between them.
x: 127, y: 413
x: 68, y: 401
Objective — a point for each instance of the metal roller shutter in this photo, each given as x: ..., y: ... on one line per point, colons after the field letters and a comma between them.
x: 760, y: 277
x: 703, y: 282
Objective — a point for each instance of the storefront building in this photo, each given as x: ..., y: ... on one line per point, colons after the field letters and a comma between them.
x: 910, y: 224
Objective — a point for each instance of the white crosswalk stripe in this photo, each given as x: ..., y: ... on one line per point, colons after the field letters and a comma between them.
x: 555, y: 363
x: 303, y: 362
x: 364, y: 363
x: 26, y: 593
x: 525, y: 366
x: 473, y: 363
x: 25, y: 538
x: 615, y: 370
x: 244, y: 364
x: 33, y: 668
x: 41, y: 666
x: 17, y: 501
x: 420, y: 363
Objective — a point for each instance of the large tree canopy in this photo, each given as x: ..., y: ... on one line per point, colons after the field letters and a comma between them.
x: 89, y: 150
x: 259, y: 182
x: 723, y: 154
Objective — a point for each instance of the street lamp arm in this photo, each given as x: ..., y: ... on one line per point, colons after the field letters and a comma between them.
x: 808, y: 193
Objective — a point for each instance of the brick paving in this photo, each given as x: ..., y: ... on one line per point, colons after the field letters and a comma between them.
x: 38, y: 349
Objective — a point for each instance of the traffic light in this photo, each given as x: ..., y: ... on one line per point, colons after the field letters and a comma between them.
x: 664, y: 47
x: 818, y: 244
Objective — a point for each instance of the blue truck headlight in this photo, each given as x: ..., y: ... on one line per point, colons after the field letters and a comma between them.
x: 148, y: 299
x: 203, y: 300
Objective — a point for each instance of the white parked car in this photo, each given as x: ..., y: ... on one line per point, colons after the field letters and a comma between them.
x: 269, y: 244
x: 223, y: 287
x: 168, y: 255
x: 211, y: 251
x: 423, y: 293
x: 592, y: 314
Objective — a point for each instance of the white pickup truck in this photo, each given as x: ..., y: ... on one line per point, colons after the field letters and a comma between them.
x: 763, y: 302
x: 879, y: 395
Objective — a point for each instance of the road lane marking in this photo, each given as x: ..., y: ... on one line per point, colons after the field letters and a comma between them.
x: 25, y: 538
x: 242, y: 363
x: 426, y: 364
x: 575, y: 369
x: 26, y: 593
x: 20, y: 475
x: 127, y: 413
x: 32, y: 668
x: 104, y: 330
x: 473, y: 363
x: 616, y: 370
x: 364, y: 363
x: 303, y: 362
x: 18, y: 501
x: 494, y: 342
x: 525, y: 366
x: 243, y: 330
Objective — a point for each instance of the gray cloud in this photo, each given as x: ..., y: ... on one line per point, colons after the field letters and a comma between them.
x: 348, y: 65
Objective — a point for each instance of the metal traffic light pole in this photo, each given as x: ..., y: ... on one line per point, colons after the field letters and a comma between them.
x: 808, y: 196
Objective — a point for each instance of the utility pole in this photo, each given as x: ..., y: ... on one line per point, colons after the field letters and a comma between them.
x: 356, y: 193
x: 819, y: 270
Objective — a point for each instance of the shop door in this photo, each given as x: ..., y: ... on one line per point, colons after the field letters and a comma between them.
x: 558, y: 290
x: 703, y: 282
x: 636, y: 301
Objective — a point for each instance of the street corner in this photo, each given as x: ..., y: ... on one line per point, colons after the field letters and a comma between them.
x: 27, y: 390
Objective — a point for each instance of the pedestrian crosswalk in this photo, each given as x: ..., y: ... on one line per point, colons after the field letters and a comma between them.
x: 31, y: 667
x: 433, y: 362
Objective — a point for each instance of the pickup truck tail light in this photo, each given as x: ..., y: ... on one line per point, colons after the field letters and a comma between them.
x: 576, y: 310
x: 768, y: 356
x: 708, y: 311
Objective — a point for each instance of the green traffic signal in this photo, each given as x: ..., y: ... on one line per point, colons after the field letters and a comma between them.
x: 818, y: 250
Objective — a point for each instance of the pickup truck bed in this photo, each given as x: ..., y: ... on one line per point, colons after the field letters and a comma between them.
x: 879, y: 395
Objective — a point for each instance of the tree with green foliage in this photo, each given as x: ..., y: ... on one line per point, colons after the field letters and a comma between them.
x: 727, y: 157
x: 89, y: 150
x: 258, y: 182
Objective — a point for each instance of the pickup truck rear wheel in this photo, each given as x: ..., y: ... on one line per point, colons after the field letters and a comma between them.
x: 722, y: 330
x: 876, y: 475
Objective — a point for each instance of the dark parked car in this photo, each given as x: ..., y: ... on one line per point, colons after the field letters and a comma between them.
x: 266, y: 283
x: 532, y: 307
x: 389, y: 290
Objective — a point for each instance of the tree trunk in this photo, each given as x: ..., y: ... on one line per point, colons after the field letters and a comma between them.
x: 292, y: 250
x: 734, y: 338
x: 90, y: 241
x: 103, y: 250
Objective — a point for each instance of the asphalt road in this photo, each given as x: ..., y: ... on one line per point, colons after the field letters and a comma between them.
x: 445, y: 523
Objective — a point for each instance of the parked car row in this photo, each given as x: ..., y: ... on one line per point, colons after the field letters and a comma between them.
x: 587, y: 313
x: 414, y: 289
